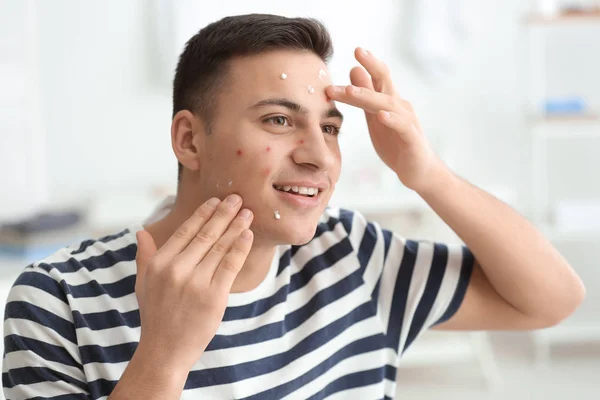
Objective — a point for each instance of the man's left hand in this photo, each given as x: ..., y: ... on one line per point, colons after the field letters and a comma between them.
x: 393, y: 125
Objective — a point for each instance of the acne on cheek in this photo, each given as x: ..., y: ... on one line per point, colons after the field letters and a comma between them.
x: 266, y: 171
x: 300, y: 141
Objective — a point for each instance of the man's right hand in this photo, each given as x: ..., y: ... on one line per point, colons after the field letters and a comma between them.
x: 182, y: 289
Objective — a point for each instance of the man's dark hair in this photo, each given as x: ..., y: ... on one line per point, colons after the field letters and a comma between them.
x: 202, y: 68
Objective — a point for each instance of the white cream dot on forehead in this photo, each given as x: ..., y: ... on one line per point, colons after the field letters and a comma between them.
x: 311, y: 89
x: 283, y: 75
x: 322, y: 74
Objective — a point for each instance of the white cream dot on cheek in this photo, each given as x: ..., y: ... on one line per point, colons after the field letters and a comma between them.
x: 322, y: 74
x: 276, y: 214
x: 311, y: 89
x: 283, y: 75
x: 229, y: 182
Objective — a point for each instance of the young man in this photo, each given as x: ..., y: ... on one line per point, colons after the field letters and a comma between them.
x: 247, y: 285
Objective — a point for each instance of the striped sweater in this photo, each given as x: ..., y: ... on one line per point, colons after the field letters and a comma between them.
x: 331, y: 319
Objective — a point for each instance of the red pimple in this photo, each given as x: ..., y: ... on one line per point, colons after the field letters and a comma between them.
x: 268, y: 148
x: 300, y: 141
x: 239, y: 152
x: 267, y: 171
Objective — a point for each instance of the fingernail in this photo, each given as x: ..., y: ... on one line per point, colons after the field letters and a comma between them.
x: 337, y: 89
x: 356, y: 89
x: 246, y: 235
x: 245, y: 214
x: 213, y: 202
x: 364, y: 52
x: 233, y: 200
x: 386, y: 114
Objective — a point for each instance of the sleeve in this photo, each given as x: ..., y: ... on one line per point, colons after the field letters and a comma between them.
x: 414, y: 284
x: 41, y: 356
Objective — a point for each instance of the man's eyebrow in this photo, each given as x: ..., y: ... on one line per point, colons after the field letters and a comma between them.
x: 295, y: 107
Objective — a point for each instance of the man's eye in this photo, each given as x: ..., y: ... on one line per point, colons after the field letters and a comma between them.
x: 331, y: 130
x: 278, y: 120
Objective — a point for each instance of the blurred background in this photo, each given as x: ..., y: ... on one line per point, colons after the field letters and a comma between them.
x: 507, y: 92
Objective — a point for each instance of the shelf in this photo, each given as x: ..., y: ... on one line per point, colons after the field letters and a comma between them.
x: 563, y: 119
x: 591, y: 16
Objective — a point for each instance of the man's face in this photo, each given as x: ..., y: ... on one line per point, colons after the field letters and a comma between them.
x: 274, y: 141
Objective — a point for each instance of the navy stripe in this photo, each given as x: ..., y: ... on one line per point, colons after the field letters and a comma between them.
x: 106, y: 319
x: 45, y: 350
x: 99, y: 354
x: 291, y: 320
x: 105, y: 260
x: 400, y: 295
x: 106, y: 239
x: 387, y: 241
x: 284, y: 261
x: 43, y: 282
x: 360, y: 346
x: 257, y: 308
x: 31, y: 375
x: 432, y: 288
x: 367, y: 244
x: 77, y: 396
x: 326, y: 260
x: 232, y: 373
x: 120, y: 288
x: 350, y: 381
x: 466, y: 270
x: 30, y: 312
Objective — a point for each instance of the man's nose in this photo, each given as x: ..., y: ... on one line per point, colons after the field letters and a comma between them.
x: 312, y: 149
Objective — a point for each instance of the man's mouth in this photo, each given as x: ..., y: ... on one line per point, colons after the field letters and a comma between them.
x: 299, y: 190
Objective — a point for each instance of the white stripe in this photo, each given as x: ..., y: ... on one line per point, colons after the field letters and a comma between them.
x: 42, y: 389
x: 103, y: 276
x: 417, y: 287
x: 103, y: 303
x: 27, y: 358
x: 108, y: 371
x: 108, y: 337
x: 363, y: 392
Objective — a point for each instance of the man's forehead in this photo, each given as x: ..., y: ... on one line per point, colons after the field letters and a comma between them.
x: 276, y: 66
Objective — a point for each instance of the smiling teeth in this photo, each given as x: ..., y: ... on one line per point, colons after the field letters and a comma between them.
x: 309, y: 191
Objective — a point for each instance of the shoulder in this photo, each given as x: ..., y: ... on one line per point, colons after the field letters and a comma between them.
x: 104, y: 259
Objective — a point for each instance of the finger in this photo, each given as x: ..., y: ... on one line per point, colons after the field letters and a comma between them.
x: 182, y: 237
x: 213, y: 258
x: 379, y: 71
x: 233, y: 261
x: 360, y: 77
x: 364, y: 98
x: 403, y: 125
x: 210, y: 232
x: 146, y: 248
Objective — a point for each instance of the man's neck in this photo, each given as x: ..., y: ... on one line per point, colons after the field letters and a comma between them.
x: 257, y: 263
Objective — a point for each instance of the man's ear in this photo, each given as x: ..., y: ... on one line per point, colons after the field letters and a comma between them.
x: 185, y: 129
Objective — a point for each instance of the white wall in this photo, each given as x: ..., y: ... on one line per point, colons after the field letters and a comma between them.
x: 106, y: 96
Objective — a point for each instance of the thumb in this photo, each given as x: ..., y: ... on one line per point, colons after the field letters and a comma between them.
x: 146, y: 249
